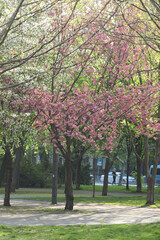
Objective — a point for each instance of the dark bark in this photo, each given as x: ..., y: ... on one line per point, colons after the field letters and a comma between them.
x: 3, y: 169
x: 78, y: 171
x: 128, y: 166
x: 94, y: 174
x: 105, y: 184
x: 150, y: 191
x: 8, y: 176
x: 15, y: 173
x: 139, y: 182
x: 55, y: 175
x: 68, y: 184
x: 138, y: 147
x: 68, y: 169
x: 129, y: 150
x: 151, y: 179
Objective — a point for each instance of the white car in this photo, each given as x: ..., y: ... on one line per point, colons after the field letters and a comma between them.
x: 118, y: 174
x: 110, y: 177
x: 130, y: 179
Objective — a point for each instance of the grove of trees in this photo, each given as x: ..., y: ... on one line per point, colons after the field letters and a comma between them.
x: 77, y: 75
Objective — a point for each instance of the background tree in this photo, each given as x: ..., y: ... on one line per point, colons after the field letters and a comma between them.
x: 109, y: 162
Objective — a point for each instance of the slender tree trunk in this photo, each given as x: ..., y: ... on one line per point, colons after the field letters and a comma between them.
x: 94, y: 175
x: 139, y: 182
x: 129, y: 150
x: 68, y: 184
x: 8, y: 177
x: 105, y: 184
x: 55, y: 175
x: 138, y: 148
x: 15, y: 173
x: 128, y: 166
x: 78, y: 171
x: 3, y: 169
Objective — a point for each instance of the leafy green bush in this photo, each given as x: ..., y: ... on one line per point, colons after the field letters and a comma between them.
x: 85, y: 178
x: 34, y: 175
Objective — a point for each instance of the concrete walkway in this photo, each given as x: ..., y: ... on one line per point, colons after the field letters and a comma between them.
x: 102, y: 214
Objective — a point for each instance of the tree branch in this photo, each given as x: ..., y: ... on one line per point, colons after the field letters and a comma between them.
x: 4, y: 32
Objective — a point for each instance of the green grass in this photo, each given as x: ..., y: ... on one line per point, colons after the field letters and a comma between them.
x: 119, y: 232
x: 82, y: 188
x: 38, y: 210
x: 103, y: 232
x: 111, y: 188
x: 128, y: 197
x: 131, y: 201
x: 116, y: 188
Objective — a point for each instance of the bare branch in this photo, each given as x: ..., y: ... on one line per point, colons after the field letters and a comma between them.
x: 4, y: 32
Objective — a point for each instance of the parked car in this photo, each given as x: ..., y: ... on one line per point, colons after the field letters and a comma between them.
x: 130, y: 179
x: 110, y: 177
x: 118, y: 174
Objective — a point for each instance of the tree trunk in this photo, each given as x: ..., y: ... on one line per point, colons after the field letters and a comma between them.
x: 138, y: 147
x: 128, y: 166
x: 129, y: 150
x: 3, y: 169
x: 150, y: 191
x: 78, y: 171
x: 15, y: 173
x: 151, y: 180
x: 94, y: 175
x: 54, y: 179
x: 8, y: 177
x: 105, y: 184
x: 68, y: 184
x: 139, y: 183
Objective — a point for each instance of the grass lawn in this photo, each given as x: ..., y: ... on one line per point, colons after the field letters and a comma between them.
x: 84, y: 195
x: 131, y: 201
x: 102, y: 232
x: 89, y: 188
x: 119, y: 232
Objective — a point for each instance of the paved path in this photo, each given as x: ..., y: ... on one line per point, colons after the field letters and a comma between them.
x: 102, y: 214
